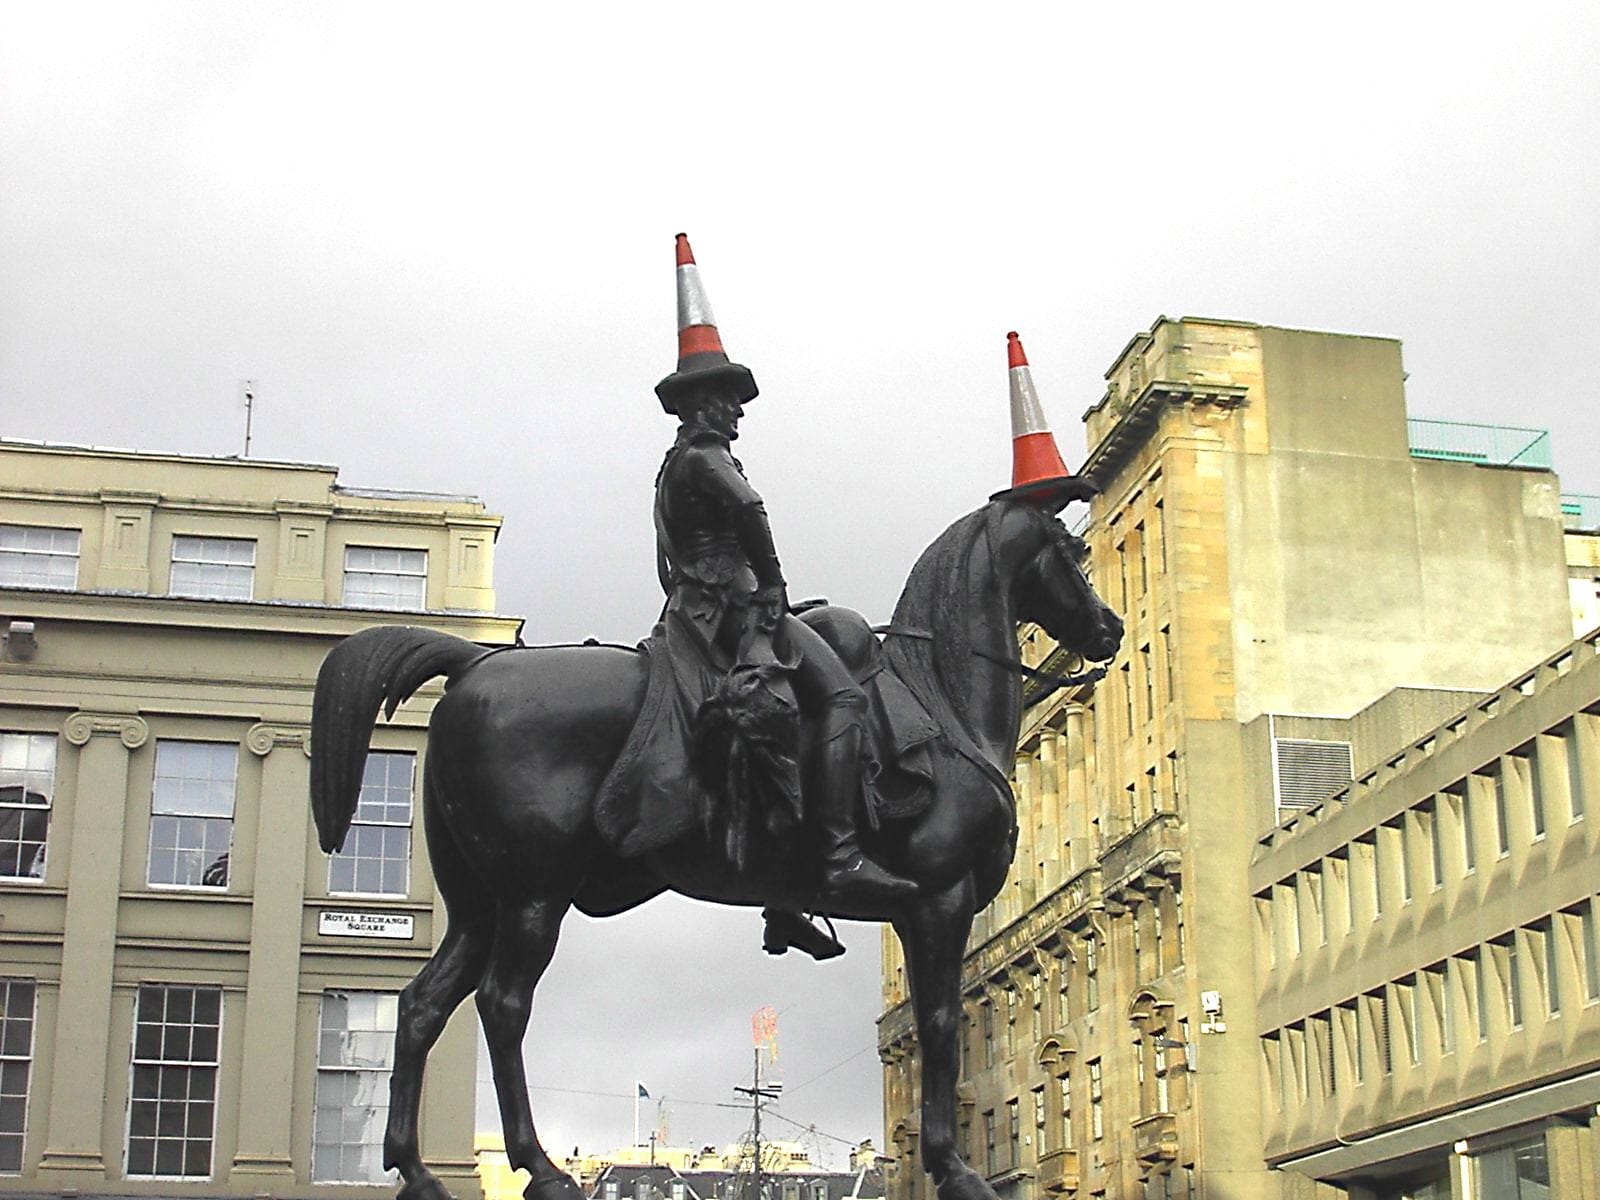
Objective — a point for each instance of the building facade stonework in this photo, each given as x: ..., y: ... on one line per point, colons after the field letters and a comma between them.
x: 194, y: 1000
x: 1284, y: 544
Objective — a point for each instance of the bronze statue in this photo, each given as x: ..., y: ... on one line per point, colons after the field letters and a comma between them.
x: 727, y: 625
x: 582, y: 800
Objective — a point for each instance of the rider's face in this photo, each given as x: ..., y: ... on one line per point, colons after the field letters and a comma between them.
x: 720, y: 412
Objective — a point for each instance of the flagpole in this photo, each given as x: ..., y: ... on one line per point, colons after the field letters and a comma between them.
x: 635, y: 1112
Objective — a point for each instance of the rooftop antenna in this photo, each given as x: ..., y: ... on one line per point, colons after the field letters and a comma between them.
x: 247, y: 388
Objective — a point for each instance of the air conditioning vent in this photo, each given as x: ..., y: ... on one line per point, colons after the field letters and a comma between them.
x: 1308, y: 772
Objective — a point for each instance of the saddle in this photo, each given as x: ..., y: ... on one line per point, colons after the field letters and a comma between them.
x: 654, y: 795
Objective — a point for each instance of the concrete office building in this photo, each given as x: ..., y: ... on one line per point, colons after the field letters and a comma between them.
x: 1281, y: 541
x: 193, y: 999
x: 1427, y: 953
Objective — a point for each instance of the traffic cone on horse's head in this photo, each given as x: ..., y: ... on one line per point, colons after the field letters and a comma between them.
x: 1038, y: 474
x: 701, y: 359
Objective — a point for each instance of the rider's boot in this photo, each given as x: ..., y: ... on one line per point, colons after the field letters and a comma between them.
x: 786, y: 928
x: 847, y: 873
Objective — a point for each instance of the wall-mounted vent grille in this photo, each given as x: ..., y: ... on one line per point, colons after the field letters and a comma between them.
x: 1308, y: 772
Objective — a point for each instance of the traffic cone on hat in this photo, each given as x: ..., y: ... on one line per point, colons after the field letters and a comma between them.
x: 702, y: 361
x: 1038, y: 474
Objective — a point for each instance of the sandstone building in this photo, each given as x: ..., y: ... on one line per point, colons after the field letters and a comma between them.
x: 193, y: 999
x: 1283, y: 543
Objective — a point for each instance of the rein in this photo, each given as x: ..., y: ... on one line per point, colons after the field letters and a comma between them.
x: 1016, y: 666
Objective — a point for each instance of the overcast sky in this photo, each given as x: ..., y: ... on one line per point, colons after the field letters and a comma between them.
x: 440, y: 241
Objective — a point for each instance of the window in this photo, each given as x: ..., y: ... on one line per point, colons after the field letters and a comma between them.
x: 1317, y: 887
x: 1159, y: 1062
x: 1180, y: 933
x: 213, y: 568
x: 27, y: 786
x: 1428, y: 823
x: 1367, y: 848
x: 1591, y: 952
x: 1036, y: 990
x: 1091, y: 973
x: 1014, y: 1130
x: 1461, y: 802
x: 1573, y: 747
x: 354, y: 1055
x: 191, y: 813
x: 1144, y: 559
x: 986, y: 1019
x: 1480, y: 991
x: 1063, y: 993
x: 1127, y: 694
x: 172, y: 1110
x: 1444, y: 1020
x: 1148, y: 674
x: 1502, y: 826
x: 375, y: 577
x: 1097, y: 1123
x: 1528, y: 759
x: 40, y: 558
x: 1512, y: 981
x: 1065, y: 1083
x: 1350, y: 1033
x: 1516, y: 1172
x: 16, y: 1065
x: 1158, y: 936
x: 1038, y: 1118
x: 988, y: 1140
x: 1400, y: 834
x: 1545, y: 932
x: 1011, y: 1022
x: 376, y: 858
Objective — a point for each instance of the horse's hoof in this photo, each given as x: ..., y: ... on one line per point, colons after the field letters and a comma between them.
x: 424, y: 1187
x: 964, y: 1183
x: 554, y: 1187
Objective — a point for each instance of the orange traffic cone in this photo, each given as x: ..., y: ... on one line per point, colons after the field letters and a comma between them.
x: 1038, y: 474
x: 701, y: 360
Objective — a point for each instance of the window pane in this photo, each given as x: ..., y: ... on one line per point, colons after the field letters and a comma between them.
x: 355, y: 1051
x: 37, y: 557
x: 377, y: 577
x: 376, y: 856
x: 27, y: 788
x: 172, y: 1108
x: 213, y: 568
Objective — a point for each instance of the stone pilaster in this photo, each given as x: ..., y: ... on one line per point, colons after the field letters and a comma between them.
x: 72, y: 1134
x: 262, y: 1158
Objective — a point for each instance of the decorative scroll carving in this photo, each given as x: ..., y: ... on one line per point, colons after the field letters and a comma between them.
x: 262, y: 737
x: 81, y: 726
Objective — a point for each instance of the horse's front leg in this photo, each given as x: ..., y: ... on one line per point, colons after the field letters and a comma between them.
x: 934, y: 937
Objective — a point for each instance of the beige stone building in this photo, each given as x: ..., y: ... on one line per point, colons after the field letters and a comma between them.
x: 1282, y: 541
x: 1427, y: 954
x: 193, y: 999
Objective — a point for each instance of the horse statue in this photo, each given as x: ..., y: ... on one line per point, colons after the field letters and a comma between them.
x: 522, y: 739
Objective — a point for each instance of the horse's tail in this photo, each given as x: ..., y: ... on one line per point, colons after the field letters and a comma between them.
x: 380, y: 666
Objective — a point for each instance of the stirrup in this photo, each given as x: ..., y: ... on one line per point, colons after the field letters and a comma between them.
x: 786, y: 929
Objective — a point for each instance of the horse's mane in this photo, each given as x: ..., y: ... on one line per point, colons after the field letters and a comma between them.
x: 935, y: 601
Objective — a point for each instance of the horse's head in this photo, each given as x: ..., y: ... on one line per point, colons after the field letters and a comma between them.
x: 1051, y: 590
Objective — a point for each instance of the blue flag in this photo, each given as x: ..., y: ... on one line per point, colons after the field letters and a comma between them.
x: 643, y: 1095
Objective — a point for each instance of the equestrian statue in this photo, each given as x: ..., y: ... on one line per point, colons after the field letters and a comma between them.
x: 749, y: 752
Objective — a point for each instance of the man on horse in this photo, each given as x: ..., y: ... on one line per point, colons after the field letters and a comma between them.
x: 720, y: 570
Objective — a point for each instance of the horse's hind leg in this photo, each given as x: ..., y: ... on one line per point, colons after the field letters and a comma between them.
x: 425, y: 1006
x: 525, y: 938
